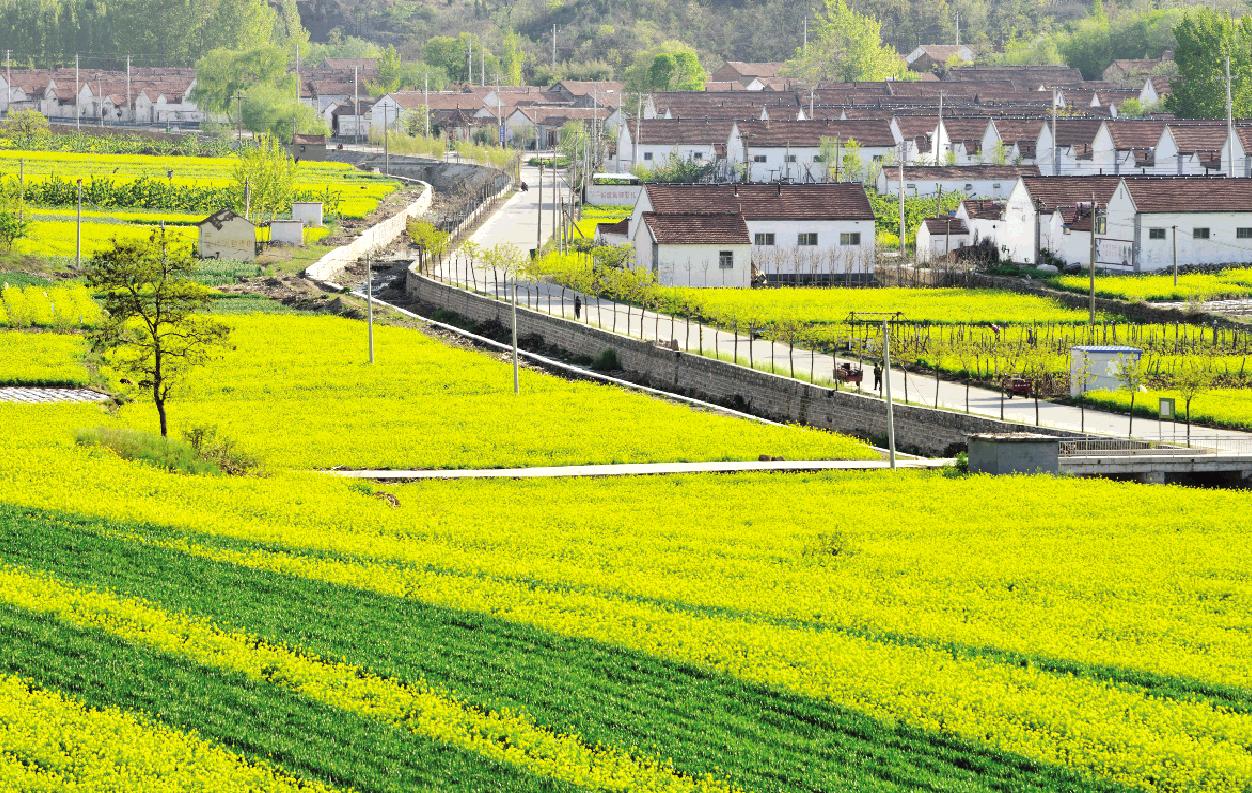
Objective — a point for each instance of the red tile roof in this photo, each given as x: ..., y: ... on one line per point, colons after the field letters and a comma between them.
x: 835, y: 201
x: 1190, y: 194
x: 947, y: 226
x: 697, y: 228
x: 681, y: 132
x: 969, y: 172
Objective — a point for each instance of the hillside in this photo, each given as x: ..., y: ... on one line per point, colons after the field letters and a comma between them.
x: 597, y: 30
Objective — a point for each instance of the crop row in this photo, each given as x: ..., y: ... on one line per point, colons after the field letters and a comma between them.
x: 42, y: 359
x: 1026, y: 632
x: 156, y: 194
x: 412, y: 706
x: 1232, y: 283
x: 757, y: 738
x: 51, y: 742
x: 61, y: 306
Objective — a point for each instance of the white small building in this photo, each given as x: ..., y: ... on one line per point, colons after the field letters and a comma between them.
x: 308, y: 212
x: 287, y: 232
x: 226, y: 235
x: 1190, y: 220
x: 652, y: 143
x: 1093, y: 368
x: 695, y: 249
x: 770, y: 151
x: 798, y: 233
x: 974, y: 181
x: 985, y: 218
x: 1051, y: 214
x: 938, y: 237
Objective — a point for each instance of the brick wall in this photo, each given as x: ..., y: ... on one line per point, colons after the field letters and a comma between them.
x: 922, y: 430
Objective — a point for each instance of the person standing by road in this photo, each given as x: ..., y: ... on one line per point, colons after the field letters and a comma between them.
x: 878, y: 378
x: 578, y: 306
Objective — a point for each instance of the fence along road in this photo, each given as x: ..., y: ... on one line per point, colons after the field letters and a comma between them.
x: 515, y: 223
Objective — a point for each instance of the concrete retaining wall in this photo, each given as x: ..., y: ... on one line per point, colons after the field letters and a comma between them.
x: 921, y: 430
x: 332, y: 265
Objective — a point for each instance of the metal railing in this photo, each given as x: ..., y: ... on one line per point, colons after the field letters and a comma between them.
x: 1199, y: 444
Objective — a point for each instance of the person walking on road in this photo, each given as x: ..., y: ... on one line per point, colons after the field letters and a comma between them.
x: 578, y: 306
x: 878, y: 378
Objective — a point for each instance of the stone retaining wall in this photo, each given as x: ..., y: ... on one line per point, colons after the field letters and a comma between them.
x: 918, y: 429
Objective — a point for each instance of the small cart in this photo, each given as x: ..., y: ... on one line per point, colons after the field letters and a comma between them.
x: 845, y: 373
x: 1018, y: 386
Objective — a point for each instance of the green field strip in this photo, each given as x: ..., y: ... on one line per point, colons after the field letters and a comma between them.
x: 1231, y: 698
x: 705, y: 722
x: 259, y: 721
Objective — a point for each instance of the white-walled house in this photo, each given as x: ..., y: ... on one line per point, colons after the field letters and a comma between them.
x: 811, y: 232
x: 1200, y: 149
x: 1049, y: 213
x: 652, y: 142
x: 938, y: 237
x: 975, y: 181
x: 1074, y: 152
x: 769, y: 151
x: 695, y: 249
x: 984, y: 217
x: 1197, y: 219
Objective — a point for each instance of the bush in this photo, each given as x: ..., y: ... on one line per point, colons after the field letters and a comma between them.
x: 220, y: 451
x: 153, y: 450
x: 606, y: 361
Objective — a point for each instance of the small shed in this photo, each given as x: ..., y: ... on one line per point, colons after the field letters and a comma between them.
x: 309, y: 211
x: 287, y: 232
x: 1100, y: 365
x: 226, y: 235
x: 937, y: 237
x: 308, y: 147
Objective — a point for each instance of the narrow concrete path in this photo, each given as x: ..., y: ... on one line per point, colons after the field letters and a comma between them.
x: 35, y: 395
x: 643, y: 469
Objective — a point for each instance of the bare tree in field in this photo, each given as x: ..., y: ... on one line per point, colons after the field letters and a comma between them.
x: 155, y: 330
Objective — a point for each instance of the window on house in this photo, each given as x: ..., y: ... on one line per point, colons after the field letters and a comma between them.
x: 995, y: 186
x: 969, y: 188
x: 763, y: 239
x: 647, y: 155
x: 819, y: 158
x: 877, y: 158
x: 726, y: 260
x: 791, y: 158
x: 807, y: 238
x: 1156, y: 234
x: 911, y: 186
x: 697, y: 155
x: 850, y: 238
x: 1243, y: 233
x: 1199, y: 233
x: 758, y: 158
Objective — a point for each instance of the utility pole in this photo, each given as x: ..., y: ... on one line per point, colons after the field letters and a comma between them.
x: 129, y: 107
x: 238, y: 97
x: 78, y: 230
x: 387, y: 140
x: 805, y: 47
x: 356, y: 102
x: 77, y: 90
x: 901, y: 175
x: 1174, y: 239
x: 482, y: 62
x: 1091, y: 267
x: 297, y: 72
x: 886, y: 373
x: 369, y: 292
x: 939, y: 129
x: 8, y: 81
x: 539, y: 214
x: 554, y: 49
x: 100, y: 99
x: 556, y: 191
x: 517, y: 384
x: 958, y: 28
x: 635, y: 155
x: 1056, y: 165
x: 426, y: 102
x: 1230, y: 126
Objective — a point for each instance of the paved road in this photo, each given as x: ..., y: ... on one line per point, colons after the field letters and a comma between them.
x: 642, y: 469
x: 515, y: 223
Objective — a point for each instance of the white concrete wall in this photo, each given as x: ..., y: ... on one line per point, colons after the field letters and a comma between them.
x: 1016, y: 237
x: 888, y: 184
x: 930, y: 247
x: 698, y: 265
x: 829, y: 256
x: 332, y: 265
x: 235, y: 241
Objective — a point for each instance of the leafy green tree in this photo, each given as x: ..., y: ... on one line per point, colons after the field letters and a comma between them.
x: 1205, y: 39
x: 845, y: 46
x: 390, y: 73
x: 512, y: 59
x: 1190, y: 381
x: 14, y: 224
x: 223, y: 73
x: 24, y: 127
x: 669, y: 66
x: 1132, y: 374
x: 268, y: 173
x: 273, y: 109
x: 155, y: 330
x: 853, y: 170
